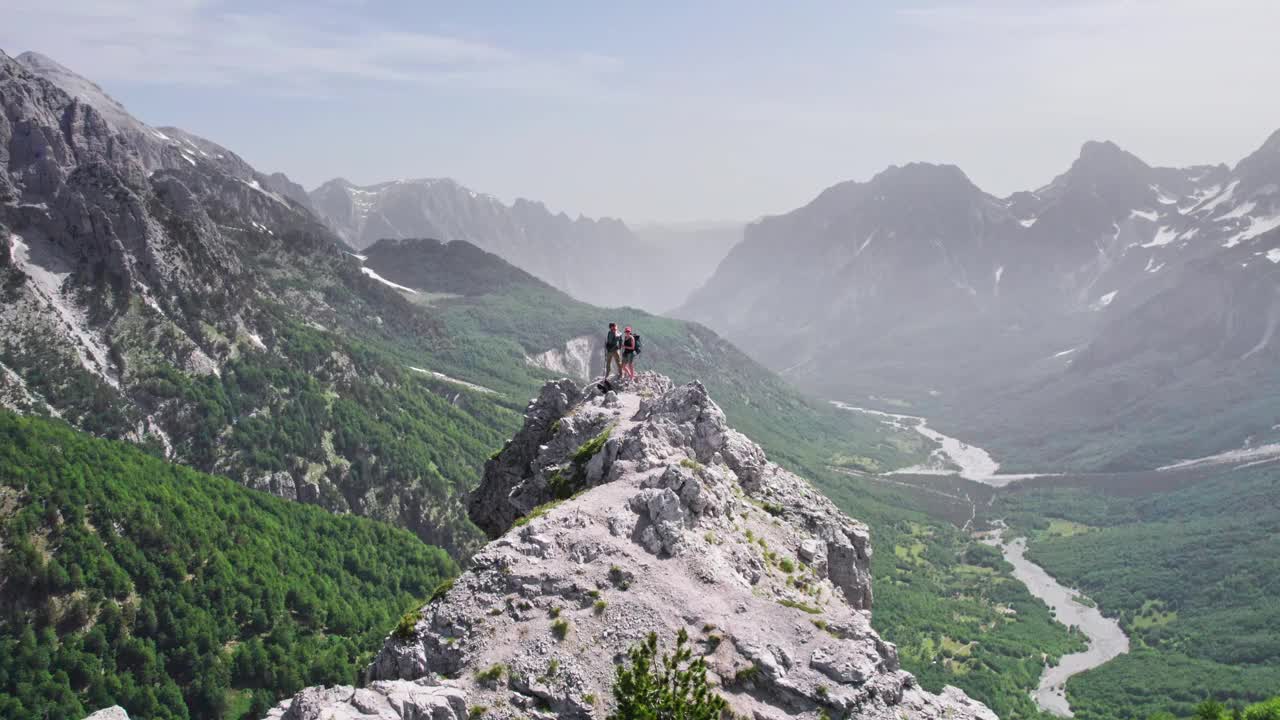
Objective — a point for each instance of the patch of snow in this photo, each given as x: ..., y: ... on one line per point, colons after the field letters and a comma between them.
x: 1257, y: 226
x: 1152, y: 266
x: 1164, y: 236
x: 1189, y: 234
x: 1105, y: 300
x: 188, y: 158
x: 1209, y: 205
x: 361, y: 258
x: 1148, y: 215
x: 1028, y: 222
x: 865, y: 243
x: 1274, y: 255
x: 1199, y: 196
x: 455, y: 381
x: 1230, y: 457
x: 1238, y: 211
x: 1066, y: 352
x: 384, y: 281
x: 999, y: 274
x: 159, y: 134
x: 1163, y: 197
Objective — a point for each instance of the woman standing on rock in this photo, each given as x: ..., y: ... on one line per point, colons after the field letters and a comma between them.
x: 630, y: 349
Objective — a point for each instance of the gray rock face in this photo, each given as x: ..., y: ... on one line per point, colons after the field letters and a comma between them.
x: 769, y: 579
x: 511, y: 487
x: 384, y: 700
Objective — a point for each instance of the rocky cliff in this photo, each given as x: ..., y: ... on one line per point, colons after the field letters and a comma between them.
x: 620, y: 513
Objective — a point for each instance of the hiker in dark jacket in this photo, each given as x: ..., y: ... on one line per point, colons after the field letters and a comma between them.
x: 630, y: 349
x: 612, y: 346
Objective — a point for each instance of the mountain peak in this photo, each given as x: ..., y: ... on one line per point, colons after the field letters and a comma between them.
x: 918, y: 177
x: 33, y: 60
x: 924, y: 172
x: 1272, y: 143
x: 80, y: 87
x: 1106, y: 157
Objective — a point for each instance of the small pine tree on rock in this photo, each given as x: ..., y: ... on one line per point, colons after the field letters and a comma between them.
x: 668, y: 688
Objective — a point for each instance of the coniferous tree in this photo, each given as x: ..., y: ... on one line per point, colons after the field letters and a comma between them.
x: 666, y: 688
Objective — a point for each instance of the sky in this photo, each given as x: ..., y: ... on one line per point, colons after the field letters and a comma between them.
x: 677, y: 111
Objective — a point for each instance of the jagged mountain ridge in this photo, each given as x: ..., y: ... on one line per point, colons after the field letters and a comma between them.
x: 157, y: 148
x: 930, y: 291
x: 632, y: 270
x: 639, y: 510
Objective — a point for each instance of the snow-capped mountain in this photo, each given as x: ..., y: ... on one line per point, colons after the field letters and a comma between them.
x: 918, y: 285
x: 634, y: 270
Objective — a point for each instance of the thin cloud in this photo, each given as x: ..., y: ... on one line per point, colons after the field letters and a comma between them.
x: 199, y: 42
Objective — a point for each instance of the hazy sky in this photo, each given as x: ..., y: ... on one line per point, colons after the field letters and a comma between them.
x: 655, y: 110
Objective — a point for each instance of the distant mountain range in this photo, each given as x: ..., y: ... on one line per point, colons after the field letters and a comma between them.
x: 655, y: 269
x: 1117, y: 295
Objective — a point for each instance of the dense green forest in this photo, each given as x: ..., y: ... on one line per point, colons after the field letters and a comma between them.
x: 1214, y: 710
x: 129, y: 580
x: 1193, y: 575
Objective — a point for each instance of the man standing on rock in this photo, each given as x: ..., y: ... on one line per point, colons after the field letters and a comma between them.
x: 612, y: 346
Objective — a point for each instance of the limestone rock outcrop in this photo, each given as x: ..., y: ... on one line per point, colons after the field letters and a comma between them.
x: 634, y: 509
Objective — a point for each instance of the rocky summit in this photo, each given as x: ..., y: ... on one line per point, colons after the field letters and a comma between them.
x: 621, y: 511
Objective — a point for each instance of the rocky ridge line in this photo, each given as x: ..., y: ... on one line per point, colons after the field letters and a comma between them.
x: 621, y: 513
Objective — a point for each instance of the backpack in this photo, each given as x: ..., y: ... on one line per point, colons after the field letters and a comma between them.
x: 636, y: 340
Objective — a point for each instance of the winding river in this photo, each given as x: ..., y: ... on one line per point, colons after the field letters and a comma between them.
x: 1106, y: 638
x: 952, y: 457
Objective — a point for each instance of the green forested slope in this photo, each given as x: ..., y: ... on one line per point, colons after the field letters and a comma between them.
x: 1193, y: 576
x: 129, y: 580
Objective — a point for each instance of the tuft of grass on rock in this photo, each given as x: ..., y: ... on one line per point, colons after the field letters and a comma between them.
x: 787, y: 602
x: 407, y: 626
x: 492, y: 674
